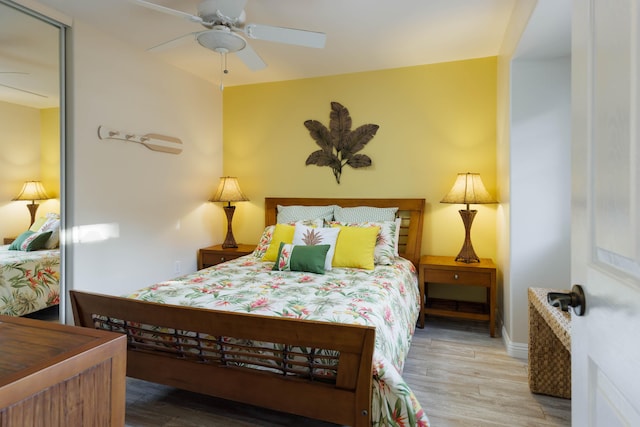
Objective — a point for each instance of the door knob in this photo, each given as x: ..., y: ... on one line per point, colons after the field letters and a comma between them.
x: 574, y: 299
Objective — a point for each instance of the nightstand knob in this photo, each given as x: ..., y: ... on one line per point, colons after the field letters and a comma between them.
x: 455, y: 276
x: 223, y: 259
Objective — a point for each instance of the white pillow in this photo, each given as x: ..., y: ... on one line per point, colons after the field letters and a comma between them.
x: 364, y: 214
x: 397, y: 239
x: 289, y: 214
x: 51, y: 224
x: 308, y: 236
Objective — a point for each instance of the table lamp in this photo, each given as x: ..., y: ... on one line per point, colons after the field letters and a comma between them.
x: 229, y: 191
x: 32, y: 190
x: 468, y: 189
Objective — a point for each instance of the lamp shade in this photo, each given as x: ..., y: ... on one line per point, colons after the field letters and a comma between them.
x: 468, y: 189
x: 32, y: 190
x: 228, y: 191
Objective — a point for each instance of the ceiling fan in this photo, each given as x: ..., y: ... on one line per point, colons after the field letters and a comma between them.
x: 17, y: 88
x: 224, y: 20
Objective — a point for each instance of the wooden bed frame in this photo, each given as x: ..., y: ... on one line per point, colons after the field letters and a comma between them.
x: 169, y: 357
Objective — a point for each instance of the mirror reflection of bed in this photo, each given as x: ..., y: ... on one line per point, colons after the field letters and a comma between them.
x: 30, y: 279
x: 30, y: 275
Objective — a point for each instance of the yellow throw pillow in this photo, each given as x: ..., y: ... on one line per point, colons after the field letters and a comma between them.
x: 355, y: 247
x: 283, y: 233
x: 38, y: 223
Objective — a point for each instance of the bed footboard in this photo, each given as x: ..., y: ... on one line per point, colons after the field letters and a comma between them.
x: 319, y: 370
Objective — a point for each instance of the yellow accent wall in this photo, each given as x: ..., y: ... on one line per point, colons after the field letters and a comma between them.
x: 435, y: 121
x: 50, y: 158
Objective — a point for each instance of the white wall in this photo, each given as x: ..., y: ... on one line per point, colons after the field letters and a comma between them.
x: 520, y: 18
x: 533, y: 141
x: 148, y: 210
x: 540, y: 176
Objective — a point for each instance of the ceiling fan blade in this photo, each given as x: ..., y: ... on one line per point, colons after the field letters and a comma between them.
x: 164, y: 9
x: 23, y: 90
x: 285, y: 35
x: 170, y: 44
x: 251, y: 58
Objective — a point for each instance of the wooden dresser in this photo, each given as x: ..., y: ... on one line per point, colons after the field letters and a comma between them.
x: 59, y: 375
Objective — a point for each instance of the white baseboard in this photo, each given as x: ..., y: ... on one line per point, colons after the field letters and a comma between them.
x: 515, y: 349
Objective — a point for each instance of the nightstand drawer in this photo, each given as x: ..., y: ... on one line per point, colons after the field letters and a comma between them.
x: 210, y: 258
x: 216, y: 254
x: 455, y: 277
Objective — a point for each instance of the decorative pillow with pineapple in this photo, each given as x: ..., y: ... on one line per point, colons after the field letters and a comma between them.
x: 311, y: 236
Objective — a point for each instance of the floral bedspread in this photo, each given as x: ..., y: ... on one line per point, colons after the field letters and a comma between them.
x: 386, y: 297
x: 29, y: 281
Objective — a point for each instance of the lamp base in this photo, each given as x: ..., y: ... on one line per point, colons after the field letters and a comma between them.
x: 467, y: 254
x: 229, y: 241
x: 33, y: 208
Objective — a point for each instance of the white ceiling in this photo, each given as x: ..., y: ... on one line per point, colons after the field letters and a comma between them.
x: 362, y: 35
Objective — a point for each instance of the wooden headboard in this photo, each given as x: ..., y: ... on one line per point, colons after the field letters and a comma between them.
x: 410, y: 210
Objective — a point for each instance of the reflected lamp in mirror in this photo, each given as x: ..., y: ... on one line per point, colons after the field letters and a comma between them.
x: 229, y: 191
x: 468, y: 189
x: 32, y: 190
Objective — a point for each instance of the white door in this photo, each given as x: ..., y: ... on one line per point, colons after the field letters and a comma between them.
x: 605, y: 342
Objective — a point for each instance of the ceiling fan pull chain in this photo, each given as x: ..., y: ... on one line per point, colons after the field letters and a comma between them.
x: 223, y: 69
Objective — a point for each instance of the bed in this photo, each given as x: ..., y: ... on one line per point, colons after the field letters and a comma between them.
x: 29, y: 280
x: 326, y: 346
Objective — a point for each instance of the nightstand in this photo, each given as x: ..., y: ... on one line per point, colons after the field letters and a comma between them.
x: 9, y: 240
x: 445, y: 270
x: 216, y: 254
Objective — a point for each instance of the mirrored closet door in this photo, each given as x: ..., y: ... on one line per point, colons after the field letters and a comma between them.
x: 32, y: 135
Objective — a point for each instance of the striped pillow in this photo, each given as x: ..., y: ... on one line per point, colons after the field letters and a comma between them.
x: 288, y: 214
x: 364, y: 214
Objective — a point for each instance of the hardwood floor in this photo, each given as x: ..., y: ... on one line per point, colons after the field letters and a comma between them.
x: 460, y: 375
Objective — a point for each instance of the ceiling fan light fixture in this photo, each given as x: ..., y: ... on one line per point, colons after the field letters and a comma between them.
x: 221, y: 38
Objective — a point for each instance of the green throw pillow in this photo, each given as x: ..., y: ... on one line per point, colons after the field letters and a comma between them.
x: 30, y: 241
x: 301, y: 258
x: 36, y: 241
x: 15, y: 245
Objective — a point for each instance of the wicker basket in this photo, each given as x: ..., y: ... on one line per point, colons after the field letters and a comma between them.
x: 549, y: 345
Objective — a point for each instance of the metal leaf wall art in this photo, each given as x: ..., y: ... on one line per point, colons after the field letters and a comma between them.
x: 339, y: 144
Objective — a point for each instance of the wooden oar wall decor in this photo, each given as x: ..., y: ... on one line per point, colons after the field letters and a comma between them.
x: 153, y: 141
